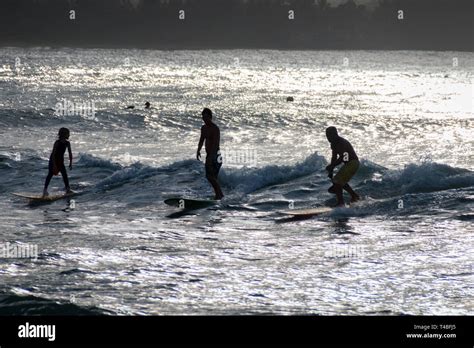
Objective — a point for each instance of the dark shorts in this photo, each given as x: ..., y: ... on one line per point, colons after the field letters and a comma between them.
x: 213, y: 165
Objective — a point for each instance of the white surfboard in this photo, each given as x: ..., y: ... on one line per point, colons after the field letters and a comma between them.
x: 40, y: 198
x: 307, y: 212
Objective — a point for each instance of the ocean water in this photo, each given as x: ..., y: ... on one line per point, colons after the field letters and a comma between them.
x: 116, y: 248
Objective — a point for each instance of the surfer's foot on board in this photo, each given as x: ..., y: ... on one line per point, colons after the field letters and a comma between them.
x: 218, y: 197
x: 45, y: 193
x: 355, y: 198
x: 68, y: 190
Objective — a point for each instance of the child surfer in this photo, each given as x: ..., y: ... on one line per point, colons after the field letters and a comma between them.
x: 56, y: 160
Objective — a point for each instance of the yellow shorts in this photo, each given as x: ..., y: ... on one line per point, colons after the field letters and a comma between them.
x: 346, y: 173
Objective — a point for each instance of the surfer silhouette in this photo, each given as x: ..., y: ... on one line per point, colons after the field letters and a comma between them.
x: 342, y: 152
x: 210, y: 133
x: 56, y: 160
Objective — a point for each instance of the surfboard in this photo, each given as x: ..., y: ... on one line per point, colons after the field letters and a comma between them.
x: 188, y: 203
x: 40, y: 198
x: 306, y: 212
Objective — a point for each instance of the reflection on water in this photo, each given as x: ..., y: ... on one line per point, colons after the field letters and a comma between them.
x: 341, y: 226
x: 121, y: 249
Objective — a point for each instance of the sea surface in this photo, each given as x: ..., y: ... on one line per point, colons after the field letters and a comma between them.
x: 116, y: 248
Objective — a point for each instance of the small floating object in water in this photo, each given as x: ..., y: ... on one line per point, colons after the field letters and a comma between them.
x: 289, y: 99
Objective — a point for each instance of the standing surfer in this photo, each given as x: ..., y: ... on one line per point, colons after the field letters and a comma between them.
x: 342, y: 152
x: 56, y: 160
x: 211, y: 134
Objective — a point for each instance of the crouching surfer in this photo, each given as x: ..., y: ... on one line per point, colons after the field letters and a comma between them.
x: 342, y: 152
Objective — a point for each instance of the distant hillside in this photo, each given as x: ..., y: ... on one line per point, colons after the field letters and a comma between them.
x: 278, y: 24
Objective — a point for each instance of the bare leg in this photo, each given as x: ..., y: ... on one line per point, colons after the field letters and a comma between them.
x: 46, y: 184
x: 65, y: 178
x: 338, y: 192
x: 216, y: 187
x: 212, y: 171
x: 354, y: 196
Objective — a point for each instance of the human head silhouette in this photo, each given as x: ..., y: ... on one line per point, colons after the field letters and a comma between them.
x: 331, y: 134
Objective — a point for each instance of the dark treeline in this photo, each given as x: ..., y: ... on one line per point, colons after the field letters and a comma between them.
x: 427, y: 24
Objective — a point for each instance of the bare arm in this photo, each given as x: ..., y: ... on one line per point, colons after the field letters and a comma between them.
x: 335, y: 161
x: 201, y: 142
x: 70, y: 155
x: 53, y: 156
